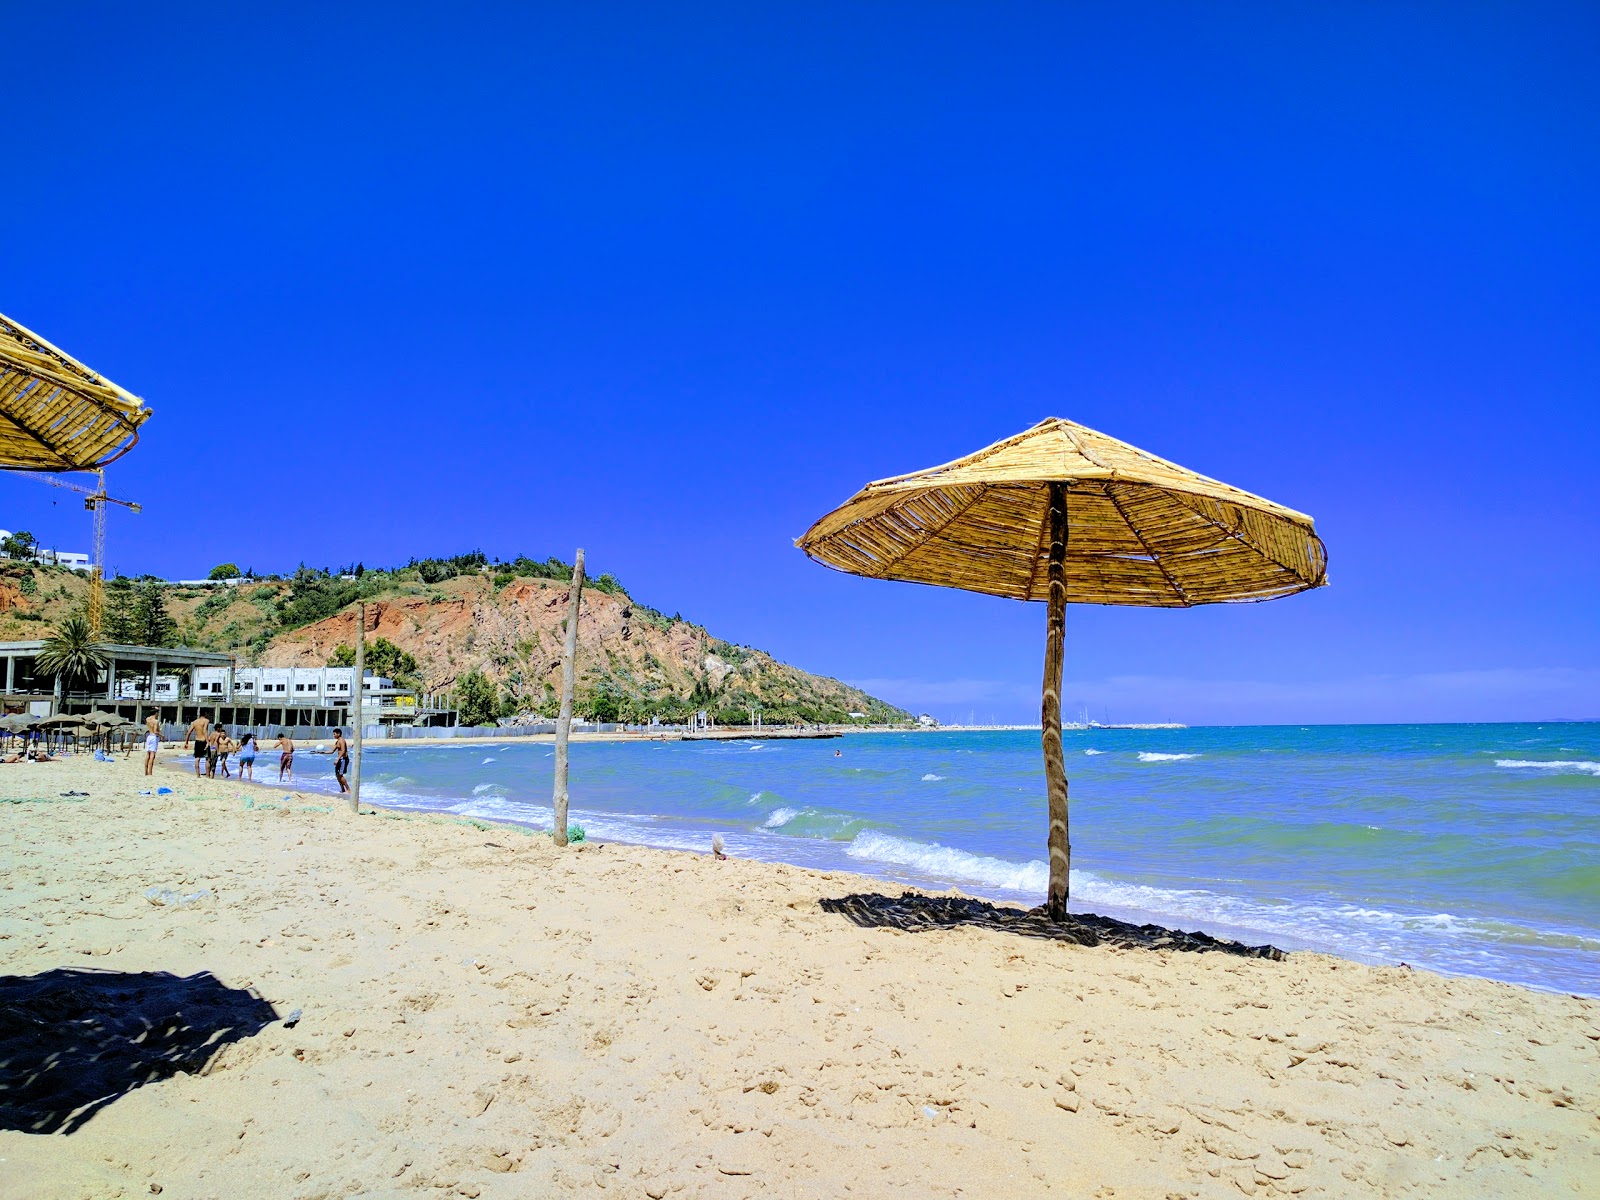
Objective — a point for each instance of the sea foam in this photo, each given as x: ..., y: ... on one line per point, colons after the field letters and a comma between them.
x: 781, y: 817
x: 1151, y: 756
x: 930, y: 777
x: 1578, y: 767
x: 946, y: 862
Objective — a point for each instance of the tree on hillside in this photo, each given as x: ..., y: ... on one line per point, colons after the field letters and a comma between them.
x: 120, y: 623
x: 224, y: 571
x: 72, y: 654
x: 477, y: 702
x: 383, y: 658
x: 314, y: 596
x: 22, y: 546
x: 152, y: 624
x: 603, y: 704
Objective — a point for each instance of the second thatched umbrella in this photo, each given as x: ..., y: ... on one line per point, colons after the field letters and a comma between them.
x: 1062, y: 512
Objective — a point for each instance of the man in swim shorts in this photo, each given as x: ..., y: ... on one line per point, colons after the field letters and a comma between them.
x: 152, y: 742
x: 285, y: 756
x: 213, y: 747
x: 341, y: 759
x: 199, y: 729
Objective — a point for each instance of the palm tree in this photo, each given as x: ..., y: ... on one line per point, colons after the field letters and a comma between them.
x: 73, y: 653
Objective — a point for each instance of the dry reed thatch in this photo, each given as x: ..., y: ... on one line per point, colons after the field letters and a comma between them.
x: 55, y: 413
x: 1142, y: 530
x: 1057, y: 513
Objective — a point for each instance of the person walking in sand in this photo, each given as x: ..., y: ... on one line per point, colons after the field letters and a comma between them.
x: 212, y: 743
x: 341, y: 760
x: 285, y: 756
x: 152, y: 742
x: 247, y: 757
x: 199, y: 730
x: 225, y: 747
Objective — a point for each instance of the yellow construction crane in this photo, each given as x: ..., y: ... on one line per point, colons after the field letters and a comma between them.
x: 95, y: 500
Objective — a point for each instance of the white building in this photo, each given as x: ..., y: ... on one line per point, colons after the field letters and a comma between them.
x: 285, y: 685
x: 137, y: 687
x: 70, y: 559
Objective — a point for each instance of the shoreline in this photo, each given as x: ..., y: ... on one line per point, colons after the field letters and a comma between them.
x: 485, y: 1015
x: 1195, y: 909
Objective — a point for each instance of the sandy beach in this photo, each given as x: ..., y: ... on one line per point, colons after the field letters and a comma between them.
x: 480, y: 1015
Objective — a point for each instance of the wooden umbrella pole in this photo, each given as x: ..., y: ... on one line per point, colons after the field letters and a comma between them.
x: 359, y: 692
x: 569, y: 662
x: 1055, y: 764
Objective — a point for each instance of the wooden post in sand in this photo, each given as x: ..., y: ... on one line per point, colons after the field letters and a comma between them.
x: 569, y: 666
x: 359, y: 691
x: 1055, y: 765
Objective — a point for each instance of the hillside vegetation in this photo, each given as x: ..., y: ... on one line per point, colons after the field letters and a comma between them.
x: 488, y: 632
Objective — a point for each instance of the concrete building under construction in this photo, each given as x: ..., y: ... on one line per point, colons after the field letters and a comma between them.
x: 179, y: 684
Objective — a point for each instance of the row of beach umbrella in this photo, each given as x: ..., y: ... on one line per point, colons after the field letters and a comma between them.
x: 97, y: 724
x: 97, y: 720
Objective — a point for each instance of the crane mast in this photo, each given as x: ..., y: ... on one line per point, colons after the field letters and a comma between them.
x: 95, y: 500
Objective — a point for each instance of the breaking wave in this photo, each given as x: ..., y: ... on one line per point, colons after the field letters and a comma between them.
x: 946, y: 862
x: 1578, y: 767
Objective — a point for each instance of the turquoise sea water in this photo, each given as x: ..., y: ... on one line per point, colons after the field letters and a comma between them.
x: 1466, y: 848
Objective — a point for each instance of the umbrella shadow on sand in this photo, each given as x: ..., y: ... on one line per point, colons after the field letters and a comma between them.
x: 912, y: 913
x: 74, y: 1040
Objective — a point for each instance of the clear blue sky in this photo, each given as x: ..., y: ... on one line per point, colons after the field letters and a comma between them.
x: 670, y: 281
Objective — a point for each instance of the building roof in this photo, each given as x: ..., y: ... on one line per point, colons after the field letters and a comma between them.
x: 174, y: 656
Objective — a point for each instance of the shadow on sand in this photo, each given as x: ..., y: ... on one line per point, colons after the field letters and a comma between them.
x: 73, y: 1040
x: 916, y: 914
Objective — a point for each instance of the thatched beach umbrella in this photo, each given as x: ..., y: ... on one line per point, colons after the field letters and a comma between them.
x: 55, y: 413
x: 1061, y: 512
x: 16, y: 723
x: 103, y: 724
x: 62, y: 721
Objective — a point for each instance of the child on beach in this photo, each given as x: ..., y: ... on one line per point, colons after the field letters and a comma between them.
x: 213, y: 743
x: 285, y: 756
x: 225, y: 747
x: 247, y: 757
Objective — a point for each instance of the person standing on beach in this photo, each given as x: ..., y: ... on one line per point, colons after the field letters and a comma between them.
x: 152, y: 742
x: 225, y: 747
x: 198, y: 730
x: 213, y: 745
x: 341, y: 759
x: 247, y: 757
x: 285, y: 756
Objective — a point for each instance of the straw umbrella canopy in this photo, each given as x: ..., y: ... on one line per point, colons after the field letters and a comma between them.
x: 62, y: 721
x: 57, y: 414
x: 16, y: 723
x: 102, y: 718
x: 1061, y: 512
